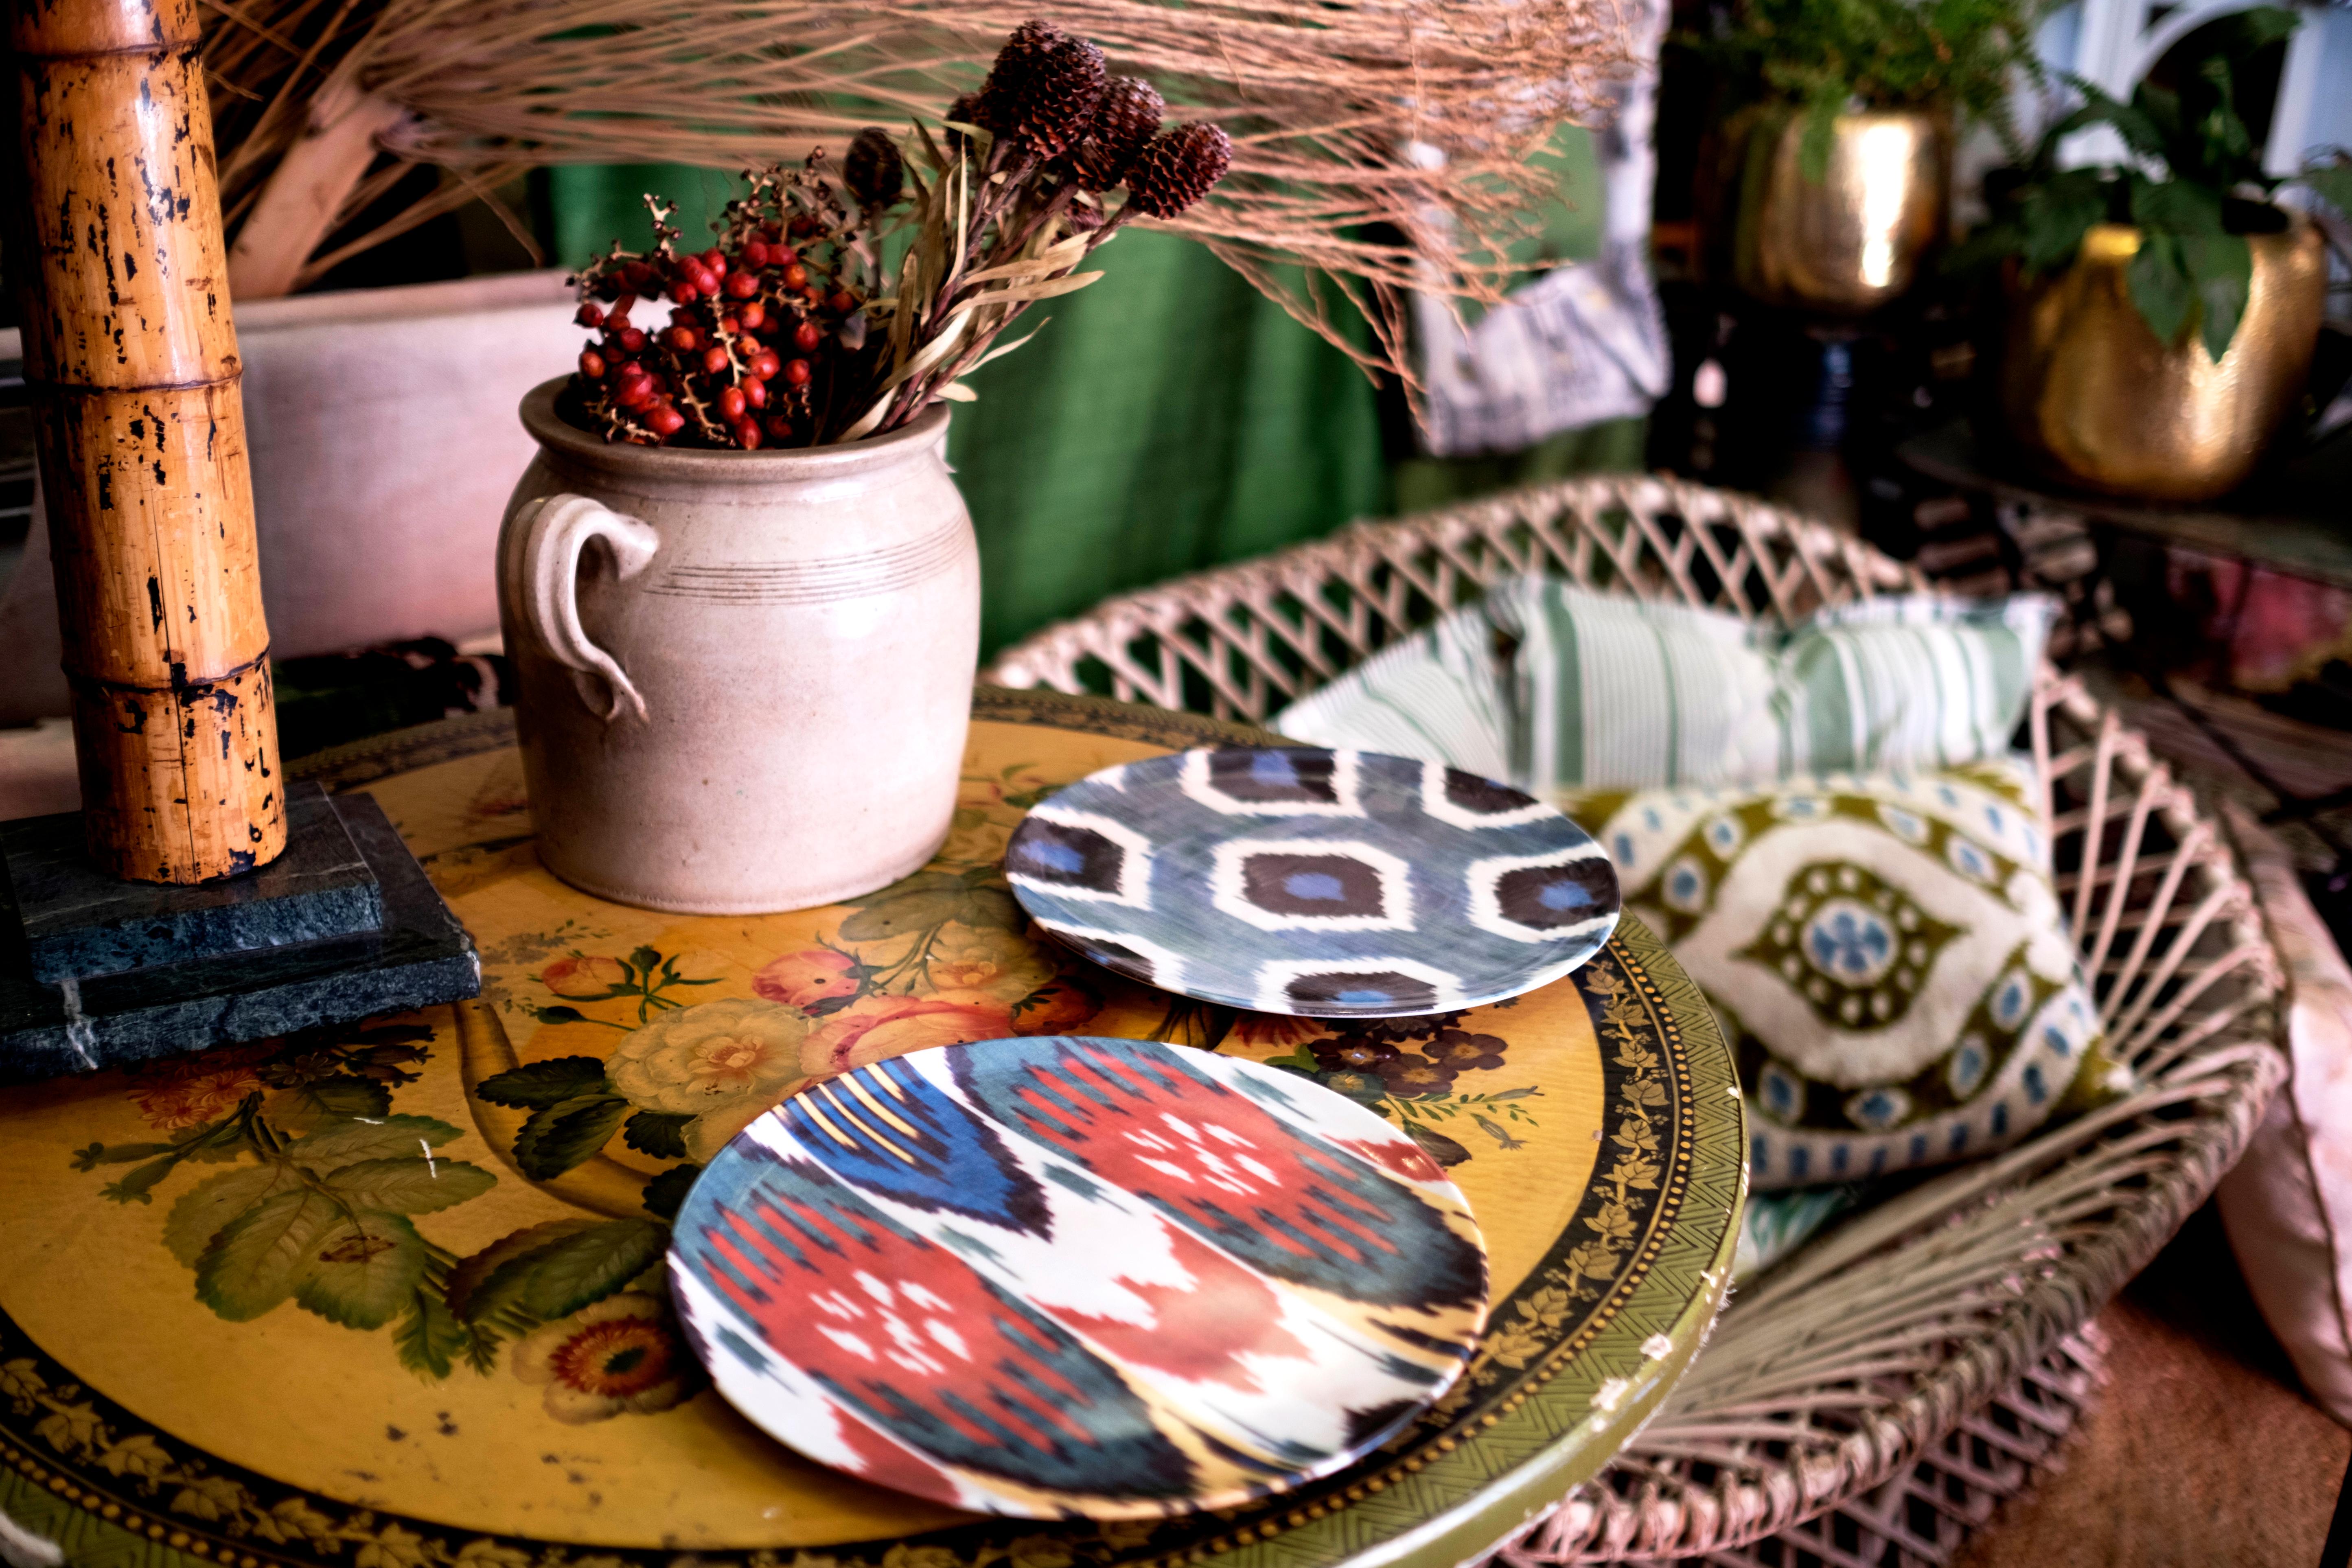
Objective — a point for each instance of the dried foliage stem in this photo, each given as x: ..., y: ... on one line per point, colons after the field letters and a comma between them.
x: 1380, y: 146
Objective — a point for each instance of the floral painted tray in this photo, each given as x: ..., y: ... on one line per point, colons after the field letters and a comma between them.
x: 463, y: 1358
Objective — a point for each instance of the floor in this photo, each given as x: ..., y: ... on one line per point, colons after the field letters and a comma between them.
x: 2202, y: 1452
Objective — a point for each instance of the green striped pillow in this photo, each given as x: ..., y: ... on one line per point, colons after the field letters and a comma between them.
x: 1438, y: 695
x: 1906, y: 681
x: 1553, y: 687
x: 1614, y: 693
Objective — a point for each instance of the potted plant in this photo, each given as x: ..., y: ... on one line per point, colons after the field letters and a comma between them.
x: 741, y: 590
x: 2160, y: 317
x: 1845, y: 135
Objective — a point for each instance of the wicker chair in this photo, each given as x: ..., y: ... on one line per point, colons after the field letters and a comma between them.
x: 1871, y: 1357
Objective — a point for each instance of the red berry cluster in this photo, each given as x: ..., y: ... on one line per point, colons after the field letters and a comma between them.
x: 757, y: 331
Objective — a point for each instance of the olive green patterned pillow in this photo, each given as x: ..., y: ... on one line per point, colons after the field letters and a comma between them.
x: 1886, y: 953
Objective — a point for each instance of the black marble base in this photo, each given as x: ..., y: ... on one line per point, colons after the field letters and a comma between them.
x: 186, y: 969
x: 81, y: 922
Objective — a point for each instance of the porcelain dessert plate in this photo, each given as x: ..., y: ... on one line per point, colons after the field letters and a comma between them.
x: 1328, y: 884
x: 1058, y: 1277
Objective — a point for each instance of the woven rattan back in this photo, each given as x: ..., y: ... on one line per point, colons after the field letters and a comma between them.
x: 1865, y: 1352
x: 1241, y: 641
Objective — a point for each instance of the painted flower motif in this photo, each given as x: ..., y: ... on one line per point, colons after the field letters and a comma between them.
x: 1055, y: 1008
x: 619, y: 1353
x: 877, y: 1027
x: 1466, y: 1052
x: 1352, y: 1053
x: 1000, y: 964
x: 805, y: 979
x: 198, y: 1089
x: 1397, y: 1031
x: 1276, y: 1029
x: 584, y: 977
x: 1363, y: 1088
x: 294, y: 1072
x: 1416, y: 1077
x: 718, y: 1056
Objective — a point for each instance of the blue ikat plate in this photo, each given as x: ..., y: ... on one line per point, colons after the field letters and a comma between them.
x: 1325, y: 884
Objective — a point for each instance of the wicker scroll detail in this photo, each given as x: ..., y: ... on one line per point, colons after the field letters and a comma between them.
x: 132, y: 359
x: 1921, y: 1516
x: 1867, y: 1350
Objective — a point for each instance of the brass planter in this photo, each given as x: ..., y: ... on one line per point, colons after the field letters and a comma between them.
x: 2094, y: 400
x: 1854, y: 241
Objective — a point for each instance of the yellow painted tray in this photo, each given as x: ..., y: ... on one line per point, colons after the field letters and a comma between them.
x: 320, y: 1302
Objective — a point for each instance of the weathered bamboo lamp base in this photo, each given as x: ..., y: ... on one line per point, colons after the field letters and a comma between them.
x: 168, y: 915
x: 108, y: 972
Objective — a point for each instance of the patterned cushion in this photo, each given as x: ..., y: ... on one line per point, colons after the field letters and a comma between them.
x: 1775, y: 1225
x: 1549, y: 686
x: 1886, y: 953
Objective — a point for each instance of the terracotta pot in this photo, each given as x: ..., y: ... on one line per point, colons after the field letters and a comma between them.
x: 745, y: 676
x: 1854, y: 241
x: 2094, y: 399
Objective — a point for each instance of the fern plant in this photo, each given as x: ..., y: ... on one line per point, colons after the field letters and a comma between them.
x: 2193, y: 264
x: 1823, y: 57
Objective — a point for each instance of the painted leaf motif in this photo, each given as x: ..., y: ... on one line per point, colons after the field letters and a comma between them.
x: 198, y: 1218
x: 905, y: 912
x: 430, y: 1339
x: 590, y: 1267
x: 480, y: 1286
x: 665, y: 1192
x: 305, y: 1107
x: 550, y: 1082
x: 658, y: 1133
x: 410, y: 1186
x: 362, y: 1271
x: 348, y: 1141
x: 258, y: 1257
x: 1446, y: 1152
x: 557, y: 1137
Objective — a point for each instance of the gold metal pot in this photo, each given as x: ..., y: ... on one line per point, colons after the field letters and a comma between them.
x: 1854, y: 241
x: 2094, y: 399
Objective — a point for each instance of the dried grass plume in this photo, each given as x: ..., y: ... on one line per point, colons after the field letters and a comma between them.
x: 1379, y: 145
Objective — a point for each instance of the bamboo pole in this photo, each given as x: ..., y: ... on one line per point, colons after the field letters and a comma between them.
x: 132, y: 359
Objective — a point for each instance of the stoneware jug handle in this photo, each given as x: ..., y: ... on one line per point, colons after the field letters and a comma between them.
x: 560, y: 527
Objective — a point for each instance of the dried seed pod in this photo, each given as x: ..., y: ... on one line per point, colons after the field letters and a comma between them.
x: 972, y: 108
x: 1001, y: 94
x: 1125, y: 120
x: 874, y: 169
x: 1177, y: 169
x: 1057, y: 97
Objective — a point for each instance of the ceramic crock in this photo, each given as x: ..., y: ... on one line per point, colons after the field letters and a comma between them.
x: 1852, y: 241
x: 745, y: 676
x: 2094, y: 399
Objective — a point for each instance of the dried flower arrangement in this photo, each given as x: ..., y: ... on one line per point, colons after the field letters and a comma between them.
x: 780, y: 335
x: 1380, y: 145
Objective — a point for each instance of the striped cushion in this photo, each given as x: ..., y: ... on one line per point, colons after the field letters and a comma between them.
x: 1553, y: 687
x: 1437, y: 695
x: 1906, y: 681
x: 1613, y: 693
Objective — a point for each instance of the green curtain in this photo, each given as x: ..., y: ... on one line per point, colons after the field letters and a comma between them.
x: 1166, y: 419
